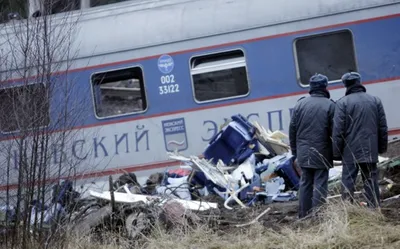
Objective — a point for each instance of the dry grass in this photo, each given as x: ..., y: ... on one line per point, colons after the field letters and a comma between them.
x: 342, y: 226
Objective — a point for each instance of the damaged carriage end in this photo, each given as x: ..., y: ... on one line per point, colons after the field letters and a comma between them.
x: 246, y: 163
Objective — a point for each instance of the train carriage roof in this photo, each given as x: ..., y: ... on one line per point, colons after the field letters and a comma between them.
x: 146, y: 23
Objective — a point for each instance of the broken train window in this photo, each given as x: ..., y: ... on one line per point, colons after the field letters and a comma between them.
x: 59, y: 6
x: 119, y: 92
x: 219, y: 76
x: 24, y: 107
x: 13, y: 9
x: 331, y: 54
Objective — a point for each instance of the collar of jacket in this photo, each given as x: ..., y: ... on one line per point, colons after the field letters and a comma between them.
x: 355, y: 89
x: 320, y: 93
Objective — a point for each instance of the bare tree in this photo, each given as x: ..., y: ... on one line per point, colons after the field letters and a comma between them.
x: 39, y: 109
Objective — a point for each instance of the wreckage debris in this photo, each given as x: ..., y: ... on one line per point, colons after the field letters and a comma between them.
x: 243, y: 166
x: 247, y: 164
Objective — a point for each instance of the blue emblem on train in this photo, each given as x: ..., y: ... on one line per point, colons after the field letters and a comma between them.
x: 175, y: 134
x: 165, y: 64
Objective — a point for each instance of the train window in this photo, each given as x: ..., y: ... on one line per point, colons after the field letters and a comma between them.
x: 24, y: 107
x: 219, y: 76
x: 119, y: 92
x: 59, y: 6
x: 331, y: 54
x: 95, y: 3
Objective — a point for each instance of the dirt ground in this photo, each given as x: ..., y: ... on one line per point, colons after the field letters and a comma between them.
x: 281, y: 215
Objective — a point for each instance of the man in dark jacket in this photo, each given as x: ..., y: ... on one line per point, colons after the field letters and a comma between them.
x: 360, y: 133
x: 310, y: 133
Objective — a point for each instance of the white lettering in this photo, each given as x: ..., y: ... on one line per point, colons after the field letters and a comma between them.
x: 166, y: 79
x: 173, y: 123
x: 167, y: 89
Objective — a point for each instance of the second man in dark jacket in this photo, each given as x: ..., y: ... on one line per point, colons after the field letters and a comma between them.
x: 310, y: 133
x: 360, y: 133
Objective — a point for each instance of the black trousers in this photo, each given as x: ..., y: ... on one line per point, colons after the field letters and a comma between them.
x: 369, y: 174
x: 313, y: 189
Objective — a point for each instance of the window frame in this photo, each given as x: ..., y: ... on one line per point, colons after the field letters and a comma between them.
x: 90, y: 4
x: 296, y: 61
x: 117, y: 69
x: 197, y: 55
x: 36, y: 127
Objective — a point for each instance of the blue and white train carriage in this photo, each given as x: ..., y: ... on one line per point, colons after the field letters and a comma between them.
x: 164, y: 75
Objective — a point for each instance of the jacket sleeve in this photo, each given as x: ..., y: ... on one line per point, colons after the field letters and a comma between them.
x: 338, y: 131
x: 382, y: 129
x: 293, y: 132
x: 330, y: 117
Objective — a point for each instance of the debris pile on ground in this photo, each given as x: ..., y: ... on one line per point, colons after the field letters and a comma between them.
x: 246, y: 164
x: 247, y: 175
